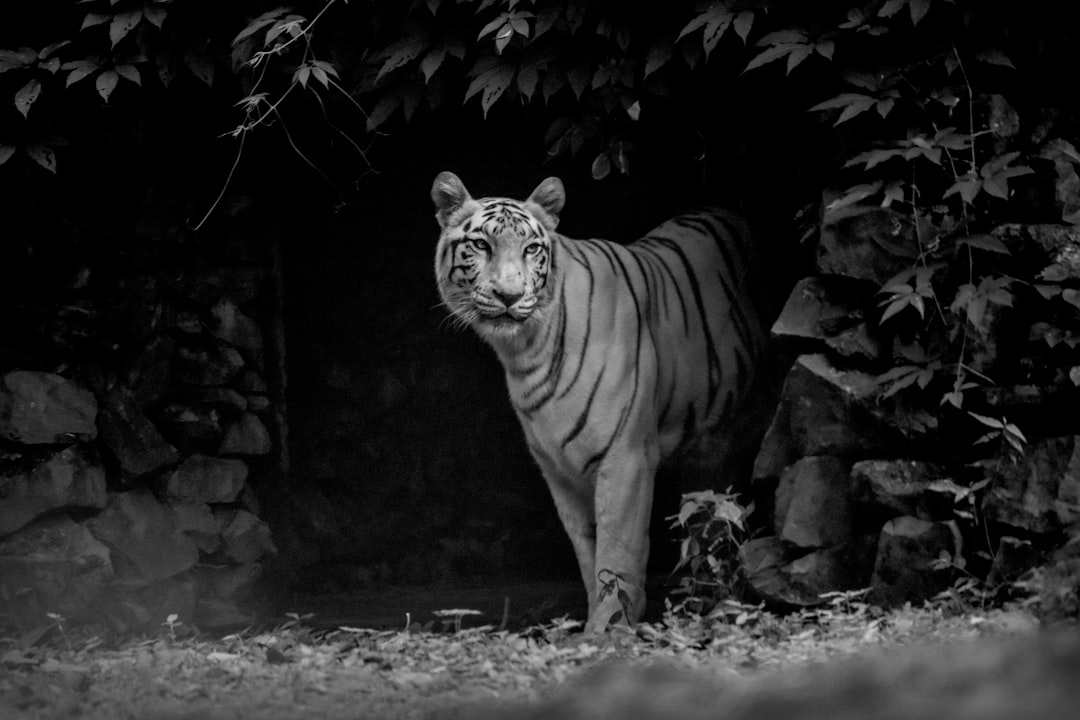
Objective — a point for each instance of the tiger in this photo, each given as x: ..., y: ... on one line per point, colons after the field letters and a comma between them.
x: 615, y: 356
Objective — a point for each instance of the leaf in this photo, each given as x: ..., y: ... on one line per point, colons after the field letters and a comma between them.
x: 6, y: 151
x: 918, y: 10
x: 155, y: 15
x: 742, y: 24
x: 798, y: 54
x: 891, y: 7
x: 988, y: 421
x: 106, y: 83
x: 718, y: 23
x: 123, y: 23
x: 43, y: 155
x: 129, y: 72
x: 995, y: 57
x: 854, y: 195
x: 1071, y: 296
x: 432, y: 61
x: 773, y: 53
x: 492, y: 84
x: 527, y: 79
x: 27, y: 95
x: 259, y: 23
x: 494, y: 25
x: 302, y: 74
x: 601, y: 166
x: 93, y: 19
x: 47, y: 51
x: 404, y: 52
x: 579, y: 79
x: 985, y: 242
x: 658, y: 56
x: 382, y: 111
x: 200, y: 65
x: 79, y: 70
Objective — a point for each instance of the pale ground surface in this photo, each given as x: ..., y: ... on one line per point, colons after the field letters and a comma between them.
x: 314, y: 672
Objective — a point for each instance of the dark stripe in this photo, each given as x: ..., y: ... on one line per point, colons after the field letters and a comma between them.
x: 580, y: 424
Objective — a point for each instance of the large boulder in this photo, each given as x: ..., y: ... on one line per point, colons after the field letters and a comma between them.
x: 54, y: 565
x: 813, y: 509
x: 206, y: 479
x: 146, y: 545
x: 130, y: 436
x: 40, y: 408
x: 67, y: 479
x: 825, y: 410
x: 1040, y: 492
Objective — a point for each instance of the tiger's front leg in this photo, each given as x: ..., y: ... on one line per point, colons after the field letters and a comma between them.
x: 623, y: 502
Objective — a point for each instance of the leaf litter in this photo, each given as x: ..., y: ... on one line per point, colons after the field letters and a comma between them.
x: 292, y: 671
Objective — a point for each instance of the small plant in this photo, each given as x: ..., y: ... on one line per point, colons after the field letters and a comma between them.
x: 172, y: 621
x: 58, y: 621
x: 611, y: 583
x: 713, y: 526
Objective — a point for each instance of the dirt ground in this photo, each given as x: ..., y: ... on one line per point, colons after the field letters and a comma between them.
x: 356, y: 659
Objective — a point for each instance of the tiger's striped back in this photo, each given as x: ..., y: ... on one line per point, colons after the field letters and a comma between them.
x: 616, y: 356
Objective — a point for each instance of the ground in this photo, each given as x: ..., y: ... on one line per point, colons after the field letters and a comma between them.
x: 304, y: 668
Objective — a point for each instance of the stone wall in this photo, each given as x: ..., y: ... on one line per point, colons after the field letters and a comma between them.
x: 866, y: 491
x: 135, y: 427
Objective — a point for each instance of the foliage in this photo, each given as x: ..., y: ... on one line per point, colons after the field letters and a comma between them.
x: 713, y: 527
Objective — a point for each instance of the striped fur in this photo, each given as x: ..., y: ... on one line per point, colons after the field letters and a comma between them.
x: 616, y: 356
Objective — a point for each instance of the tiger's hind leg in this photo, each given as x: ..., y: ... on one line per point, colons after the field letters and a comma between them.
x: 623, y: 498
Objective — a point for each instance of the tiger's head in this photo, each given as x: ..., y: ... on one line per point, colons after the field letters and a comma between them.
x: 495, y: 262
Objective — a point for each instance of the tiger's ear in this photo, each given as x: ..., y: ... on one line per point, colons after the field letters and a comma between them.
x: 550, y: 196
x: 448, y: 193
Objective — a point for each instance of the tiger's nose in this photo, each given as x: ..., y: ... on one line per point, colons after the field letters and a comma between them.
x: 508, y: 298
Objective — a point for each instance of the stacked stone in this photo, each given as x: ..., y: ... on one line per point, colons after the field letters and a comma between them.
x: 131, y: 502
x: 873, y: 494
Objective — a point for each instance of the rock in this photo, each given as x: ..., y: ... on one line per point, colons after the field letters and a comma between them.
x: 246, y: 436
x: 824, y: 411
x: 192, y: 428
x: 225, y: 399
x: 132, y: 439
x: 205, y: 479
x: 197, y: 521
x: 231, y: 582
x: 147, y: 374
x: 829, y: 309
x: 52, y: 566
x: 67, y: 479
x: 214, y: 614
x: 1041, y: 491
x: 145, y: 609
x: 236, y: 328
x: 1013, y: 558
x: 782, y: 578
x: 189, y: 322
x: 206, y: 365
x: 258, y: 403
x: 1057, y: 245
x: 145, y: 544
x: 867, y: 243
x: 249, y: 381
x: 760, y: 560
x: 812, y: 505
x: 899, y: 485
x: 245, y: 537
x: 39, y: 408
x: 908, y: 548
